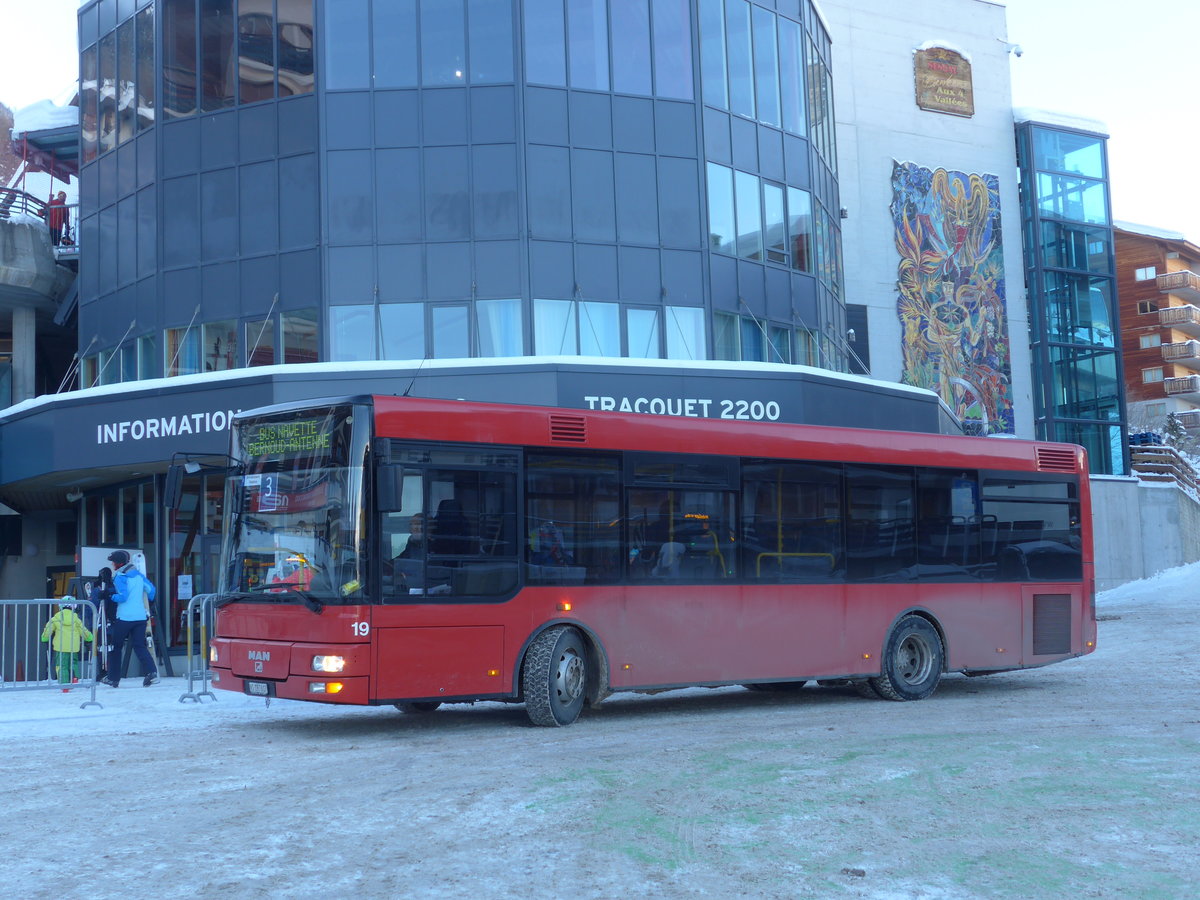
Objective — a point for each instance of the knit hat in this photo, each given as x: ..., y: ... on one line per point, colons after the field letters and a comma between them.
x: 118, y: 558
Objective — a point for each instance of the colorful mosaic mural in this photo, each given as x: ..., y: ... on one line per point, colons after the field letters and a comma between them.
x: 953, y: 318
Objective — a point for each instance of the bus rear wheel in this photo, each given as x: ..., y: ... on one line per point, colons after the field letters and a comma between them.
x: 418, y: 706
x: 912, y: 661
x: 554, y: 677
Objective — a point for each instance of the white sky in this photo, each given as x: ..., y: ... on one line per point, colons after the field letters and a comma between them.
x: 1130, y: 66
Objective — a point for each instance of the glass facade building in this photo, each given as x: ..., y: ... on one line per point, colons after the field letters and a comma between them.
x: 271, y: 181
x: 1070, y: 276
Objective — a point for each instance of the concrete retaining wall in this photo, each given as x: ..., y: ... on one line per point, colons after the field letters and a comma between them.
x: 1140, y: 529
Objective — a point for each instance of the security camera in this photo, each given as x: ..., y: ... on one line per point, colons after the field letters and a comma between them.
x: 1017, y: 51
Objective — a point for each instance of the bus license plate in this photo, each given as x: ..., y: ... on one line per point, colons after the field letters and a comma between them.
x: 259, y: 688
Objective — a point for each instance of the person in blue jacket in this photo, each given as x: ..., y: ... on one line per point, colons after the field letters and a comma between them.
x: 132, y: 590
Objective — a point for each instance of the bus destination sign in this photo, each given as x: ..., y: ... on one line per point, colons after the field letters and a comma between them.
x: 302, y: 436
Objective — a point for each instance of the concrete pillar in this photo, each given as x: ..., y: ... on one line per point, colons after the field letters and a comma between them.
x: 24, y: 334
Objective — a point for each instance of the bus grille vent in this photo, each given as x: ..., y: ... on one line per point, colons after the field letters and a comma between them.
x: 1052, y: 459
x: 568, y: 429
x: 1051, y: 624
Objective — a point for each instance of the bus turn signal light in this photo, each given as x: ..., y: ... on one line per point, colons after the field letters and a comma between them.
x: 325, y: 687
x: 564, y: 605
x: 493, y: 673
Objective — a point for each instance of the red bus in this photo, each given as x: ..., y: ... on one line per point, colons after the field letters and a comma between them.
x: 393, y: 550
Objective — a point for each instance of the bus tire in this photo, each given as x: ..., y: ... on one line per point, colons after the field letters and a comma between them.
x: 418, y: 706
x: 867, y: 690
x: 554, y: 677
x: 912, y: 661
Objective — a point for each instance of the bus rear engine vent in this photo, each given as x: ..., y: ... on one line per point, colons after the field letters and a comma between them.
x: 568, y: 429
x: 1051, y: 624
x: 1053, y: 459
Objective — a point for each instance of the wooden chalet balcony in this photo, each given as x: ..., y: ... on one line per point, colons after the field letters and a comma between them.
x: 1185, y: 353
x: 1189, y: 419
x: 1182, y: 284
x: 1188, y: 386
x: 1181, y: 318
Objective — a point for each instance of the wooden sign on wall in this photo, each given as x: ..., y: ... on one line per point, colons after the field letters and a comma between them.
x: 943, y: 82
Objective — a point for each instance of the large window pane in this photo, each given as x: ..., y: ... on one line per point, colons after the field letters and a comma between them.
x: 88, y: 96
x: 294, y: 49
x: 443, y: 42
x: 753, y: 341
x: 779, y: 347
x: 300, y: 336
x: 394, y: 31
x: 260, y: 343
x: 714, y: 86
x: 351, y: 333
x: 680, y: 535
x: 599, y: 329
x: 1078, y: 309
x: 545, y: 48
x: 402, y: 330
x: 1060, y: 151
x: 672, y: 48
x: 451, y: 332
x: 685, y: 332
x: 587, y: 39
x: 631, y: 46
x: 218, y: 79
x: 499, y: 327
x: 749, y: 216
x: 800, y: 228
x: 183, y: 351
x: 126, y: 82
x: 1070, y: 246
x: 720, y: 209
x: 220, y: 346
x: 791, y: 76
x: 108, y: 99
x: 554, y: 328
x: 256, y: 50
x: 741, y: 57
x: 347, y: 45
x: 643, y: 331
x: 725, y: 337
x: 774, y: 226
x: 179, y: 57
x: 1076, y: 199
x: 490, y: 39
x: 766, y: 66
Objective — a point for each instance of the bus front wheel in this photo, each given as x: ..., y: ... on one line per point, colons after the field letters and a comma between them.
x: 912, y: 661
x: 554, y: 677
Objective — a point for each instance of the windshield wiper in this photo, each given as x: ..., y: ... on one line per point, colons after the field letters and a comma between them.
x: 290, y: 587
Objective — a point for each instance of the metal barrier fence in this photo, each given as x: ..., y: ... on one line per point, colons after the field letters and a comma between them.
x: 198, y: 620
x: 45, y: 645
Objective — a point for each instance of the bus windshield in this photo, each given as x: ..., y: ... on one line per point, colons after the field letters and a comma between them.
x: 296, y: 523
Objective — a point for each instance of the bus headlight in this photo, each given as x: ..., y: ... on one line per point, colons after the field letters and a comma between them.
x: 212, y: 653
x: 328, y: 663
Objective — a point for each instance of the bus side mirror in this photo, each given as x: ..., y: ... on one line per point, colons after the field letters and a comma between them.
x: 389, y: 488
x: 173, y: 489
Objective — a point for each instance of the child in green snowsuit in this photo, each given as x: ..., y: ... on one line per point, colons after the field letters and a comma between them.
x: 69, y: 633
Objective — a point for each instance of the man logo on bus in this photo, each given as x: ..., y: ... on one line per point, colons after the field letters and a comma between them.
x: 263, y: 655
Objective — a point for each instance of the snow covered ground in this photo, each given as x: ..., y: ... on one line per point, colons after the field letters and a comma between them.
x: 1077, y: 780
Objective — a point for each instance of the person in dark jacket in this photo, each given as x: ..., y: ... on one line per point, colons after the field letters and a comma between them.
x: 131, y: 591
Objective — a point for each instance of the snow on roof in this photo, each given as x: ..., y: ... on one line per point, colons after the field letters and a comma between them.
x: 1150, y: 231
x: 428, y: 365
x: 1059, y: 120
x: 944, y: 45
x: 44, y: 115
